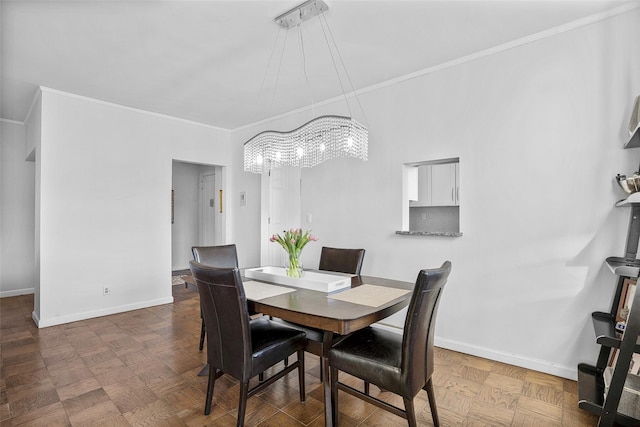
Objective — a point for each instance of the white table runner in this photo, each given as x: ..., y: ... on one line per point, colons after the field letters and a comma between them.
x: 370, y: 295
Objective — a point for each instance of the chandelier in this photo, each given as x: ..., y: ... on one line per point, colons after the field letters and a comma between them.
x: 320, y: 139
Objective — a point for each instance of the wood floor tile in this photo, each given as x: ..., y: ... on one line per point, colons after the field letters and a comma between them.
x: 70, y: 374
x: 100, y: 357
x: 77, y: 388
x: 155, y: 413
x: 78, y: 406
x: 140, y: 368
x: 33, y: 401
x: 527, y: 419
x: 508, y: 384
x: 462, y: 386
x: 449, y: 418
x: 544, y: 393
x: 498, y: 397
x: 24, y: 378
x: 543, y: 379
x: 538, y: 408
x: 473, y: 373
x: 454, y: 402
x: 281, y: 419
x: 46, y: 416
x: 30, y: 362
x: 5, y: 411
x: 510, y: 371
x: 380, y: 418
x: 305, y: 411
x: 492, y: 415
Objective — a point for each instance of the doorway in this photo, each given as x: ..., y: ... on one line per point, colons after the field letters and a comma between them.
x: 197, y: 217
x: 281, y: 210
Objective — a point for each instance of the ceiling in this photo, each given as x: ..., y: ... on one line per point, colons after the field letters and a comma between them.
x: 207, y: 61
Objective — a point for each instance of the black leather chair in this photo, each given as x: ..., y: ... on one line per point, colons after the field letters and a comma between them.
x: 401, y: 364
x: 223, y: 256
x: 341, y: 260
x: 237, y: 345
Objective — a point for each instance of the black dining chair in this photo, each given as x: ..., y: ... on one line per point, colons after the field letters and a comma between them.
x: 401, y: 364
x: 238, y: 346
x: 341, y: 260
x: 338, y: 260
x: 222, y: 256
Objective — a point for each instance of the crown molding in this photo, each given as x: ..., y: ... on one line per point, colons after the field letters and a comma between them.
x: 137, y: 110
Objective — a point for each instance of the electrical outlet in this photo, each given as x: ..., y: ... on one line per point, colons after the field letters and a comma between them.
x: 106, y: 291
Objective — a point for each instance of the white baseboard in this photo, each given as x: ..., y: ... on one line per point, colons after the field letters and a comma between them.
x: 17, y: 292
x: 509, y: 358
x: 43, y: 323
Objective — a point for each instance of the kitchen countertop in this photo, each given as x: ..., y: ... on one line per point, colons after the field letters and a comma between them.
x: 430, y: 233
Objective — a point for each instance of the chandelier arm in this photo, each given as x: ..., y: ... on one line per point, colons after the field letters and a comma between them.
x: 353, y: 89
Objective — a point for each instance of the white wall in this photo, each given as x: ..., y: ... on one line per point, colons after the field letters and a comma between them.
x: 17, y: 266
x: 539, y: 130
x: 104, y: 201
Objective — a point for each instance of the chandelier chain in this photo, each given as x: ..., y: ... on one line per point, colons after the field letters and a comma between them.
x: 304, y: 71
x: 323, y: 18
x: 333, y: 60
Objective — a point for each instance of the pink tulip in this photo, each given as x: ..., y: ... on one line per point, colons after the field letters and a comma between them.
x: 313, y: 238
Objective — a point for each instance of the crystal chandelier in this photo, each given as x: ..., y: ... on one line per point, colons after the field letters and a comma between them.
x: 322, y: 138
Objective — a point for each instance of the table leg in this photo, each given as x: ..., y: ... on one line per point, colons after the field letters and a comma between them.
x: 327, y: 341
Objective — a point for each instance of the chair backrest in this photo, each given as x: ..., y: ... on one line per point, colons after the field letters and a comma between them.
x: 419, y: 326
x: 341, y: 260
x: 223, y: 256
x: 224, y: 308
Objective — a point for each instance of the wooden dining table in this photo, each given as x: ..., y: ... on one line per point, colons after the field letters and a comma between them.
x: 319, y: 310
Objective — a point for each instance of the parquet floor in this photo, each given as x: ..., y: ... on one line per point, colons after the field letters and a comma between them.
x: 140, y: 368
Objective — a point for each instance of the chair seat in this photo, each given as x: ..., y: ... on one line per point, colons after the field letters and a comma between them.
x: 372, y: 354
x: 267, y: 335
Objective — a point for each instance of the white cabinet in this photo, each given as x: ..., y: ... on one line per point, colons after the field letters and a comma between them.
x: 444, y: 184
x: 437, y: 185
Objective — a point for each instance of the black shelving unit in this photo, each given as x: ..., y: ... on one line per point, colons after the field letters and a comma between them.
x: 611, y: 392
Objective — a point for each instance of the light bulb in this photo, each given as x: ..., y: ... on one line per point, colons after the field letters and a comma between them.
x: 259, y: 159
x: 299, y: 151
x: 350, y: 142
x: 322, y: 147
x: 278, y: 156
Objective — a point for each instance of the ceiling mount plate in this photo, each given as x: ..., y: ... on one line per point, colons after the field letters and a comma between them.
x: 301, y: 13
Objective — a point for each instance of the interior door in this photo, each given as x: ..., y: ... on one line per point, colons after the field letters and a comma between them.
x: 284, y: 209
x: 209, y: 209
x: 277, y: 198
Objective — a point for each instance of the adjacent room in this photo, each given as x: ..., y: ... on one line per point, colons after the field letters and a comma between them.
x: 319, y: 213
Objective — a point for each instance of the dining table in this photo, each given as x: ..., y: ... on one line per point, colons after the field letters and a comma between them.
x: 369, y: 300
